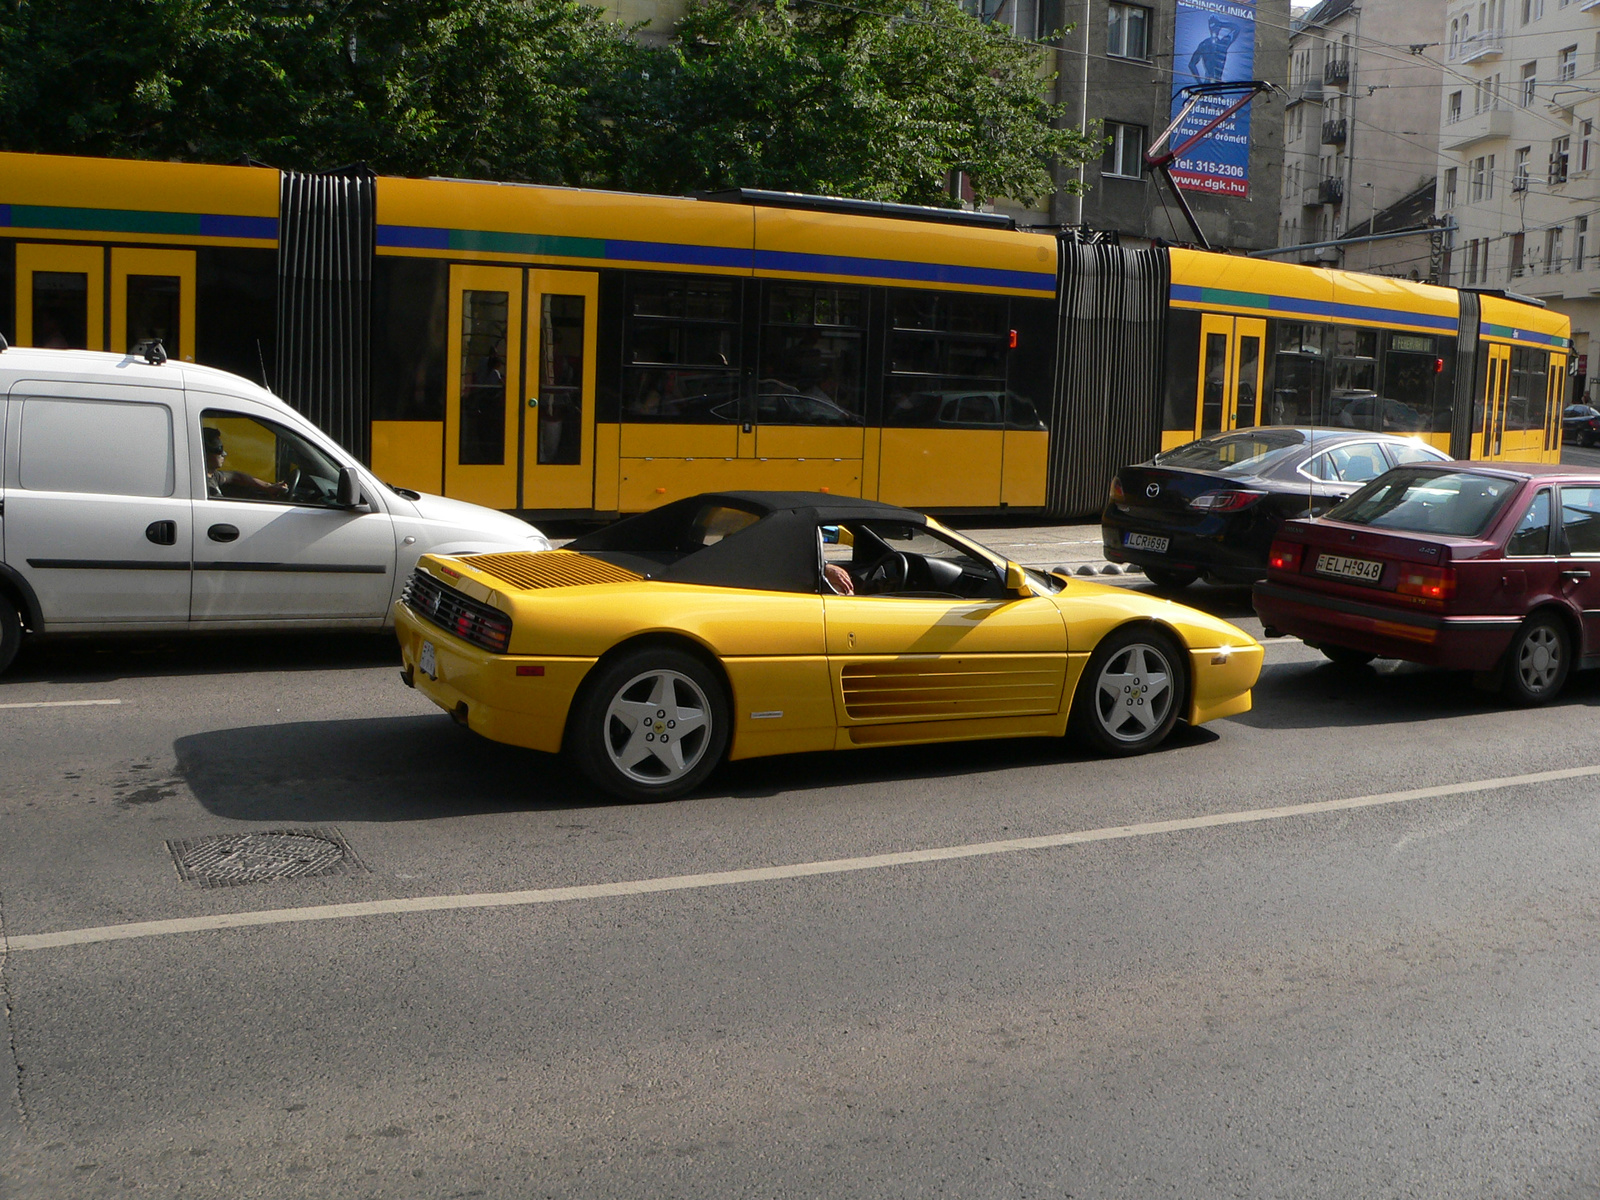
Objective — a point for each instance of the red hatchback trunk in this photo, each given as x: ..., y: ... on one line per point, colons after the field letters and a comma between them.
x: 1493, y: 568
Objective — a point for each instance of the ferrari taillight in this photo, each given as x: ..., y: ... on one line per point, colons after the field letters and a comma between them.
x: 1285, y: 556
x: 1432, y: 585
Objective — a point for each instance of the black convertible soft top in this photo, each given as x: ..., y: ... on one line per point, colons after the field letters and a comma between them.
x: 777, y: 552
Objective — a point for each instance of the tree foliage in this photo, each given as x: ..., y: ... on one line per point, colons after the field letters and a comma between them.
x: 871, y: 98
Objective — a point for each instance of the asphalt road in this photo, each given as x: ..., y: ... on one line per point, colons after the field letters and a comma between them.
x: 1390, y: 999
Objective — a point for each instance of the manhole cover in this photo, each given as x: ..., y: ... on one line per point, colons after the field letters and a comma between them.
x: 234, y: 858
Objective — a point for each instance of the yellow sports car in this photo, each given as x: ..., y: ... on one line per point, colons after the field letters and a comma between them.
x: 739, y: 624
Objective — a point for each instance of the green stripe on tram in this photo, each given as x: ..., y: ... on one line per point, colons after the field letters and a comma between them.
x: 103, y: 220
x: 1235, y: 299
x: 551, y: 245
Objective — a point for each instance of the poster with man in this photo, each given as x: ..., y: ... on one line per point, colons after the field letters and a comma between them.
x: 1214, y: 42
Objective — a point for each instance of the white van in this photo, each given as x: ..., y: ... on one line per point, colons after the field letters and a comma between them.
x: 138, y: 494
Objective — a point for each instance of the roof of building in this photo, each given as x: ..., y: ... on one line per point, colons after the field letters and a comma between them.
x: 1325, y: 12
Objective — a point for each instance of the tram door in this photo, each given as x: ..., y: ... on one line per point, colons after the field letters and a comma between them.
x: 61, y: 296
x: 1228, y: 388
x: 1496, y: 389
x: 519, y: 411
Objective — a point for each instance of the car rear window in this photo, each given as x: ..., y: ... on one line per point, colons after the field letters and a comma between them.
x: 1452, y: 503
x: 1234, y: 453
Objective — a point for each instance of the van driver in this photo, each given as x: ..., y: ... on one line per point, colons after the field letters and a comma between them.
x: 233, y: 485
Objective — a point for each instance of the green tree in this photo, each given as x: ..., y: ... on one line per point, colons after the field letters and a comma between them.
x: 879, y: 99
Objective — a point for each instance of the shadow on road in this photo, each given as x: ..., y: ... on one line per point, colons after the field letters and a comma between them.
x: 103, y: 659
x: 425, y: 767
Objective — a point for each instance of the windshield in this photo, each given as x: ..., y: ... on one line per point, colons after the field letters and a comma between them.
x: 1248, y: 453
x: 1453, y: 503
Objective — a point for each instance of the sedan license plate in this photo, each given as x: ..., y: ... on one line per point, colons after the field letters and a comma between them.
x: 1146, y: 541
x: 425, y: 663
x: 1362, y: 570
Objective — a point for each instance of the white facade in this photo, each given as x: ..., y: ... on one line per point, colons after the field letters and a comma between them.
x: 1362, y: 123
x: 1519, y: 159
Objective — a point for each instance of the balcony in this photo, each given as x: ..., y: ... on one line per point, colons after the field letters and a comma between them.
x: 1491, y: 123
x: 1309, y: 91
x: 1486, y: 43
x: 1334, y: 132
x: 1336, y: 71
x: 1330, y: 191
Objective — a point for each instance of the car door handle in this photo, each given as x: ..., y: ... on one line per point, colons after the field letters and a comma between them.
x: 1574, y: 576
x: 223, y: 533
x: 162, y: 533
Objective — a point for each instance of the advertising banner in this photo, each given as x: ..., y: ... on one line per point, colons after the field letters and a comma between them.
x: 1214, y: 42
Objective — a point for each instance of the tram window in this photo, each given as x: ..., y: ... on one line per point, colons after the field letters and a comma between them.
x: 153, y: 310
x: 1215, y: 383
x: 561, y: 379
x: 236, y: 314
x: 1353, y: 398
x: 61, y: 310
x: 681, y: 350
x: 483, y: 377
x: 1530, y: 386
x: 1299, y: 374
x: 811, y: 356
x: 410, y: 309
x: 1410, y: 377
x: 947, y: 361
x: 1183, y: 347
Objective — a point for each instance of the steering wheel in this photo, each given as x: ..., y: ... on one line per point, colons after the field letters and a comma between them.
x: 888, y: 574
x: 293, y: 483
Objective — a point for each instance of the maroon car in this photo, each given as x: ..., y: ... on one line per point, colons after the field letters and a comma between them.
x: 1487, y: 567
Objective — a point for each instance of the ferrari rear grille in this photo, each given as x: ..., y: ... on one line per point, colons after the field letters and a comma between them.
x: 983, y: 686
x: 548, y: 569
x: 466, y: 618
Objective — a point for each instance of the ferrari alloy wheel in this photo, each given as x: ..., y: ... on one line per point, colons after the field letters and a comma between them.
x: 1537, y: 661
x: 651, y: 725
x: 1132, y: 691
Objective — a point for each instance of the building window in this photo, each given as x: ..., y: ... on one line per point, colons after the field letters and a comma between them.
x: 1124, y: 156
x: 1449, y: 200
x: 1567, y: 63
x: 1532, y: 10
x: 1518, y: 245
x: 1584, y: 143
x: 1519, y: 169
x: 1530, y: 81
x: 1130, y: 31
x: 1472, y: 261
x: 1483, y: 178
x: 1452, y: 108
x: 1552, y: 250
x: 1560, y: 157
x: 1580, y: 242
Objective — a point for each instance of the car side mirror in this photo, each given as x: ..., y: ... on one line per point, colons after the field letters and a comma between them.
x: 349, y: 488
x: 1017, y: 585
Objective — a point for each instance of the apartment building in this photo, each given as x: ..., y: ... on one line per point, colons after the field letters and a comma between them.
x: 1360, y: 127
x: 1519, y: 162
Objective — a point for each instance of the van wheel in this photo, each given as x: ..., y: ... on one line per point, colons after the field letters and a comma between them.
x: 1537, y: 661
x: 1131, y: 692
x: 651, y: 725
x: 10, y: 633
x: 1169, y: 580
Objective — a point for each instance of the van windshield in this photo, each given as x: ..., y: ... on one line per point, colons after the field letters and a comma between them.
x: 1248, y: 453
x: 1452, y: 503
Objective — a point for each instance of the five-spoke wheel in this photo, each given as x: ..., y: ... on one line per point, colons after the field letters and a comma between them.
x: 1132, y: 692
x: 650, y: 724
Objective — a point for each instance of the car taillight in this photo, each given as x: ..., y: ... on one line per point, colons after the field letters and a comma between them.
x: 1285, y: 556
x: 1225, y: 501
x: 492, y: 633
x: 1117, y: 494
x: 1432, y: 585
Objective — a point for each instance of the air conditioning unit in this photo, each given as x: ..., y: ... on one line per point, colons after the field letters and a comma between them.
x: 1328, y: 254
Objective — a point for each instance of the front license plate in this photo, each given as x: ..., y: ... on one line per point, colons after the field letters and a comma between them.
x: 1146, y: 541
x: 425, y: 662
x: 1363, y: 570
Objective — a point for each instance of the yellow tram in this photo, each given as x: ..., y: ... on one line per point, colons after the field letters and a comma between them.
x: 568, y: 352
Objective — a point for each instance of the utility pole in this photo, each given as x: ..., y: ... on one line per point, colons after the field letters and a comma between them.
x: 1350, y: 129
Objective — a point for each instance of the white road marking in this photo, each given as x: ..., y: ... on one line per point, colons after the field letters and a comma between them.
x: 58, y: 703
x: 679, y: 883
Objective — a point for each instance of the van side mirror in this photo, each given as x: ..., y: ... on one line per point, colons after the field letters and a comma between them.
x: 349, y: 488
x: 1017, y: 585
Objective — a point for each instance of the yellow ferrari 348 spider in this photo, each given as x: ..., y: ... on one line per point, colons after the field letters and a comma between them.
x: 740, y: 624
